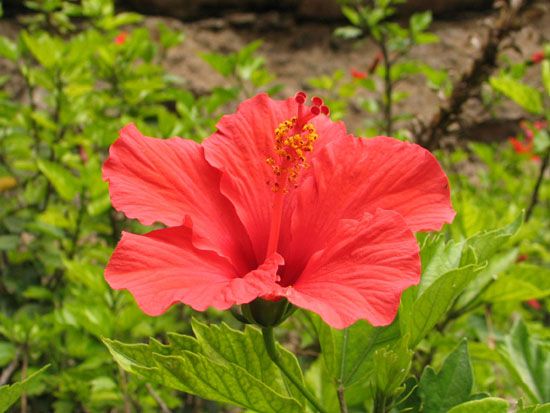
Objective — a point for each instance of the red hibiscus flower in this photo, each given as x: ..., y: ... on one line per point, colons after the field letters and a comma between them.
x: 120, y: 39
x: 280, y: 202
x: 357, y: 74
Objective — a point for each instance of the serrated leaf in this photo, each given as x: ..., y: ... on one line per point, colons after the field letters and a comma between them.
x: 419, y: 317
x: 226, y: 383
x: 536, y: 408
x: 64, y: 182
x: 528, y: 361
x: 246, y: 349
x: 10, y: 394
x: 438, y: 257
x: 451, y: 386
x: 207, y: 367
x: 486, y: 405
x: 348, y: 353
x: 487, y: 243
x: 525, y: 96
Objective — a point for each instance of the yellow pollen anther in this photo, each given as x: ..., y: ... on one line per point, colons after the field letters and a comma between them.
x: 291, y: 144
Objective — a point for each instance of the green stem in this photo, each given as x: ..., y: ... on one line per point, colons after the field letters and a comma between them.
x: 271, y: 348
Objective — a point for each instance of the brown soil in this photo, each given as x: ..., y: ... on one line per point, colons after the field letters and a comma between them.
x: 296, y: 51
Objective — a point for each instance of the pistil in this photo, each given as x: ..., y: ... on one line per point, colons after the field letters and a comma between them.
x: 293, y: 139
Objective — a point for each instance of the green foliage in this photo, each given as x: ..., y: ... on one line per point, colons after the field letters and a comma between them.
x: 221, y: 364
x: 487, y: 405
x: 376, y: 91
x: 58, y: 229
x: 451, y: 386
x: 57, y: 226
x: 528, y: 361
x: 10, y: 394
x: 525, y: 96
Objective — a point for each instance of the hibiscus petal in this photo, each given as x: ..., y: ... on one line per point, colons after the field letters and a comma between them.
x: 164, y: 267
x: 240, y: 148
x: 169, y: 181
x: 362, y: 273
x: 361, y: 175
x: 352, y: 176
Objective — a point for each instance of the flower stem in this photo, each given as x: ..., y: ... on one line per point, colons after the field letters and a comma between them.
x: 535, y: 193
x: 271, y: 348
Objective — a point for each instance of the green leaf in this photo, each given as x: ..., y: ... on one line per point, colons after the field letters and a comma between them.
x: 7, y: 352
x: 226, y: 383
x: 348, y: 32
x: 222, y: 364
x: 45, y: 49
x: 8, y: 49
x: 9, y: 242
x: 525, y: 96
x: 10, y: 394
x: 351, y: 15
x: 486, y: 243
x: 247, y: 350
x: 420, y: 21
x: 528, y: 361
x: 536, y: 408
x: 451, y: 386
x: 348, y: 353
x: 64, y: 182
x: 487, y: 405
x: 222, y: 64
x: 419, y: 317
x: 391, y: 368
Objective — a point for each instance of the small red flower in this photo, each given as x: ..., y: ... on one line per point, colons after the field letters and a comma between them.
x: 521, y: 146
x: 357, y: 74
x: 527, y: 144
x: 279, y: 202
x: 534, y: 304
x: 121, y: 38
x: 537, y: 57
x: 522, y: 258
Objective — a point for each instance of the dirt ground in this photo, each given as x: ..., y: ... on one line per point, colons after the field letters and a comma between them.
x: 298, y: 50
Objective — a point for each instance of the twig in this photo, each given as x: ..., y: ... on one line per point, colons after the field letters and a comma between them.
x: 24, y: 367
x: 342, y: 399
x: 430, y: 134
x: 163, y: 407
x: 388, y: 88
x: 536, y: 189
x: 273, y: 353
x: 8, y: 371
x: 124, y: 388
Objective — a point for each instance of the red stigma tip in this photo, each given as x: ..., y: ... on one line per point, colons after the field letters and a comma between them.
x: 325, y: 110
x: 315, y: 110
x: 300, y: 97
x: 316, y: 101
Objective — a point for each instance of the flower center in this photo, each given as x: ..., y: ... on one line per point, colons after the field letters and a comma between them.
x: 294, y: 139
